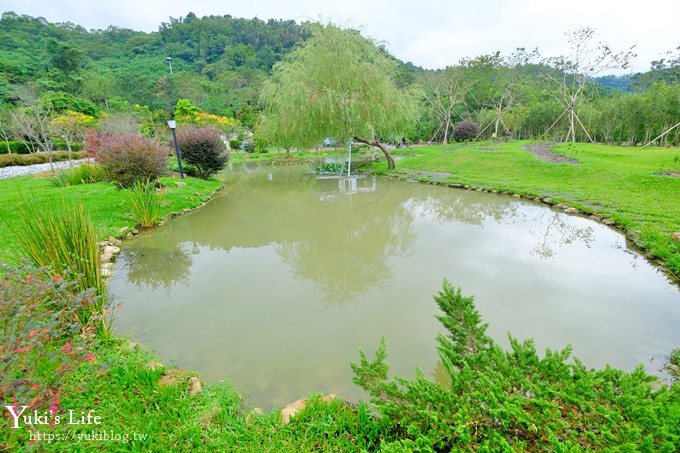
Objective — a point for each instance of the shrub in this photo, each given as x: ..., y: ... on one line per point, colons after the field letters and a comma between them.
x: 9, y: 160
x: 146, y: 204
x: 465, y: 130
x: 513, y: 400
x: 235, y: 144
x: 16, y: 147
x: 39, y: 341
x: 128, y: 158
x: 203, y: 149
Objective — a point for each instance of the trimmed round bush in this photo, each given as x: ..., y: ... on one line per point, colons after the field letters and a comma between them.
x: 465, y: 130
x: 203, y: 149
x: 127, y: 159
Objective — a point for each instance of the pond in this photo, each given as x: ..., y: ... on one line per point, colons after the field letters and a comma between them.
x: 277, y: 282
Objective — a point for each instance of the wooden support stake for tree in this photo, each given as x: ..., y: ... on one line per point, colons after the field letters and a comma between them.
x: 661, y: 136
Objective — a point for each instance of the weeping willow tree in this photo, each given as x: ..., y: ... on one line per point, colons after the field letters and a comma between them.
x: 340, y: 85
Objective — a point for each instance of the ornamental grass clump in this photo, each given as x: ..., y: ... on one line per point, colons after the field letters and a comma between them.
x: 203, y: 149
x: 86, y: 173
x: 145, y: 203
x: 128, y: 158
x: 63, y: 239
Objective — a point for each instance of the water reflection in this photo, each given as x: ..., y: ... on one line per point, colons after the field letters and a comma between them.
x: 349, y: 244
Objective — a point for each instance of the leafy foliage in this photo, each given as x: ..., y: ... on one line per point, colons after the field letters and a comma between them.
x: 203, y: 149
x: 339, y: 85
x: 127, y: 159
x: 502, y: 400
x: 41, y: 340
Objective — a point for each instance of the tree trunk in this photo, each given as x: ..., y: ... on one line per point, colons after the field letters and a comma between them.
x: 447, y: 122
x: 377, y: 144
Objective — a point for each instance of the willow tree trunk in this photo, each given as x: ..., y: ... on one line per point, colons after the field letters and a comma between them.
x: 377, y: 144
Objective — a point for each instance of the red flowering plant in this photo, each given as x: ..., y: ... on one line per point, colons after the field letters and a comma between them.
x: 41, y: 337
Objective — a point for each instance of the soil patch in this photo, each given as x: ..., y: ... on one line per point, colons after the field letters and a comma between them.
x: 672, y: 174
x: 544, y: 152
x: 433, y: 175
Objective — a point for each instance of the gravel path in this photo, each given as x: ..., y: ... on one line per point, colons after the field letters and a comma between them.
x: 11, y: 172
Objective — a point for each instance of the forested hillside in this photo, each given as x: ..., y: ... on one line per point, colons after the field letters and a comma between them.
x: 219, y: 63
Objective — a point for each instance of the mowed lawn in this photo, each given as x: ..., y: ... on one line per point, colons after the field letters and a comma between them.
x: 619, y: 182
x: 108, y: 207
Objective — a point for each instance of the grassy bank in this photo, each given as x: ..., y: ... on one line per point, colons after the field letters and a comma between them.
x: 616, y: 182
x: 108, y: 207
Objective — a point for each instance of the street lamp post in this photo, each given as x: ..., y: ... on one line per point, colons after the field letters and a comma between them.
x: 169, y: 60
x: 173, y: 125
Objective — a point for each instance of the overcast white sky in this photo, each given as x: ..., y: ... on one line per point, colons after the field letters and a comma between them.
x: 429, y: 33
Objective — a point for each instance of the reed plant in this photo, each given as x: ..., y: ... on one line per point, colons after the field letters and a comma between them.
x: 146, y: 203
x: 63, y: 239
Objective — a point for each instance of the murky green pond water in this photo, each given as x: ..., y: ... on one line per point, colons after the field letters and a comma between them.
x: 278, y: 282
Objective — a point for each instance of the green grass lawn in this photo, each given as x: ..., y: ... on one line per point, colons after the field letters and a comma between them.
x: 615, y: 181
x: 108, y: 206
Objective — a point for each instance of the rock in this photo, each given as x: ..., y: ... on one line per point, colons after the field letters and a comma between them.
x: 548, y: 200
x: 129, y: 236
x: 180, y: 183
x: 609, y: 222
x: 516, y: 195
x: 456, y: 185
x: 111, y: 250
x: 329, y: 398
x: 154, y: 365
x: 571, y: 211
x: 186, y: 209
x: 105, y: 258
x: 109, y: 266
x: 494, y: 191
x: 103, y: 244
x: 594, y: 217
x: 169, y: 378
x: 562, y: 206
x: 292, y: 409
x: 114, y: 241
x: 536, y: 199
x: 161, y: 223
x: 106, y: 272
x: 122, y: 230
x: 252, y: 415
x: 195, y: 387
x: 135, y: 231
x: 505, y: 192
x: 676, y: 236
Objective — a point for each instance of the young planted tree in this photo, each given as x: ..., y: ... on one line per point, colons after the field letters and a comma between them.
x: 338, y: 85
x: 575, y: 72
x: 445, y: 91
